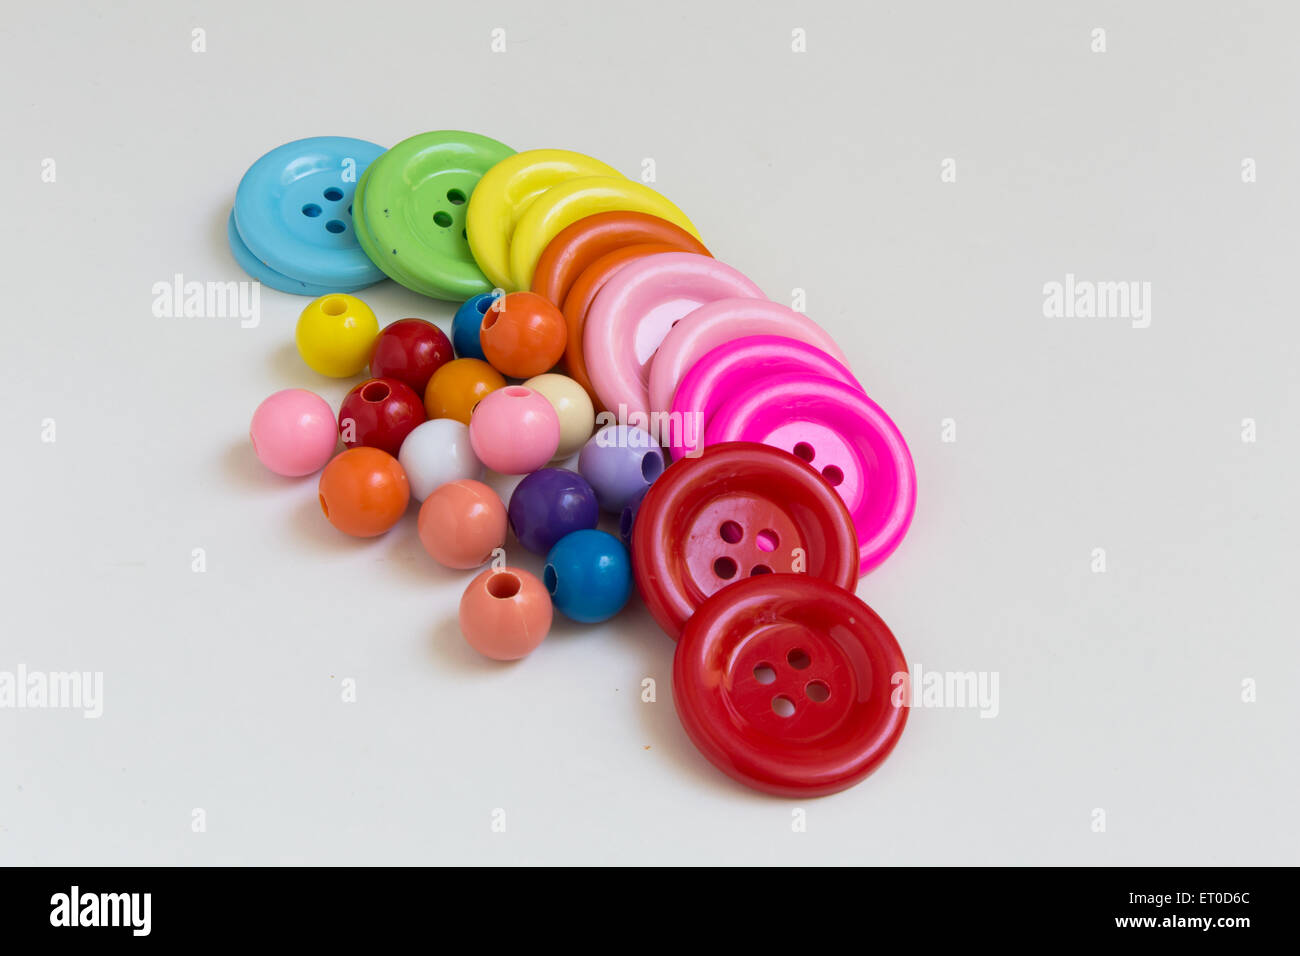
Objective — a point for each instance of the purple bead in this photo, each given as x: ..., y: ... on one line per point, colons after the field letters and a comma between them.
x: 549, y: 504
x: 620, y: 462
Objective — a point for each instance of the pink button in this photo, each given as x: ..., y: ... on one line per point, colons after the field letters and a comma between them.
x: 842, y: 434
x: 722, y: 321
x: 734, y: 368
x: 634, y: 311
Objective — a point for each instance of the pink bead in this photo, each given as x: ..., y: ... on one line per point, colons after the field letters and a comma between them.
x: 505, y: 613
x: 461, y: 523
x: 514, y: 430
x: 294, y: 432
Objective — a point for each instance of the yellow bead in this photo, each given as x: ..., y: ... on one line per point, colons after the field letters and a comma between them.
x: 573, y: 407
x: 335, y: 335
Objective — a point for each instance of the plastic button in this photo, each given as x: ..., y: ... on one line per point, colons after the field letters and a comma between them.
x: 576, y: 199
x: 730, y: 369
x: 725, y: 321
x: 635, y: 310
x: 413, y: 203
x: 506, y: 191
x: 583, y: 292
x: 738, y: 510
x: 843, y: 435
x: 579, y: 245
x: 786, y: 684
x: 293, y: 212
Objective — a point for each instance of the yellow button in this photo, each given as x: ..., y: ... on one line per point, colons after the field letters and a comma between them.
x: 576, y: 199
x: 506, y: 191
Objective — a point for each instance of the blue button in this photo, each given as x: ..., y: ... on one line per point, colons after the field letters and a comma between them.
x: 293, y: 212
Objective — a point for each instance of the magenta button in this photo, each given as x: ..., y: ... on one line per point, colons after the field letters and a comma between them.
x: 732, y: 369
x: 842, y: 434
x: 724, y: 321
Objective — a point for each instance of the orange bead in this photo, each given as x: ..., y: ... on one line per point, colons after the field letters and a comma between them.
x: 458, y: 386
x: 364, y: 492
x: 523, y: 335
x: 505, y: 613
x: 462, y: 523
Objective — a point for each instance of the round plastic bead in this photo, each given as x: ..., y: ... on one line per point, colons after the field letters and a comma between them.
x: 549, y: 504
x: 572, y: 406
x: 620, y: 461
x: 335, y: 334
x: 462, y: 523
x: 458, y: 386
x: 364, y: 492
x: 523, y: 335
x: 435, y: 453
x: 380, y: 413
x: 589, y: 576
x: 466, y: 323
x: 505, y: 613
x: 790, y: 684
x: 514, y: 430
x: 294, y: 432
x: 410, y: 350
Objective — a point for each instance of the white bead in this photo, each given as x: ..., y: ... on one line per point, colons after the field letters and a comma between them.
x: 435, y: 453
x: 573, y: 406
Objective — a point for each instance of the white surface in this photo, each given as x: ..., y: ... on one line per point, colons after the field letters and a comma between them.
x: 818, y: 171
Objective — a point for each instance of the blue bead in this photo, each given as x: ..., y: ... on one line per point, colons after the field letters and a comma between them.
x: 620, y: 461
x: 589, y: 576
x: 466, y: 324
x: 549, y: 504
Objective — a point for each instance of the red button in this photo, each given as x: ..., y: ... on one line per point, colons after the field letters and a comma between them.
x: 786, y: 683
x: 738, y: 510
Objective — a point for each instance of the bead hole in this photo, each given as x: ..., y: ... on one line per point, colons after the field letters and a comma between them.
x: 334, y: 306
x: 652, y: 465
x: 817, y: 692
x: 798, y: 658
x: 767, y: 540
x: 805, y: 451
x: 333, y: 194
x: 765, y: 673
x: 442, y: 218
x: 455, y: 197
x: 311, y: 210
x: 724, y: 568
x: 731, y: 532
x: 503, y: 585
x: 550, y: 579
x: 375, y: 392
x: 783, y: 706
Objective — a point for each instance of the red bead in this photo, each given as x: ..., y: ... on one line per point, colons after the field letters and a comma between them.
x: 410, y: 350
x: 738, y: 510
x: 380, y: 413
x: 790, y: 685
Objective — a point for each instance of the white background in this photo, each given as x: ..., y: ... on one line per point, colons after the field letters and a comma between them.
x: 821, y: 171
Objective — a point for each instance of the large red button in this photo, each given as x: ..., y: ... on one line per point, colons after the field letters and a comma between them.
x: 738, y: 510
x: 786, y: 683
